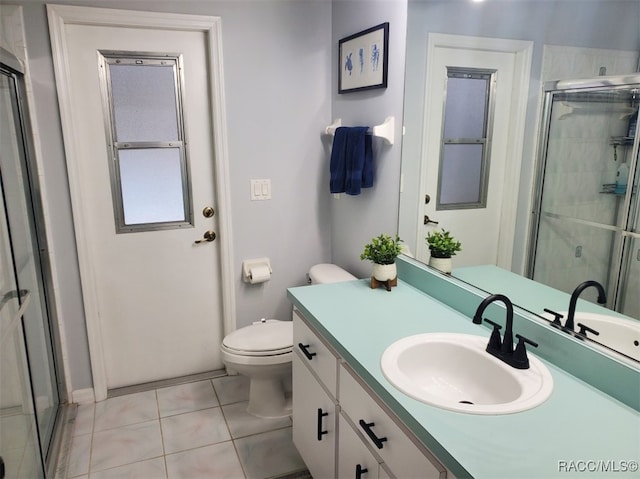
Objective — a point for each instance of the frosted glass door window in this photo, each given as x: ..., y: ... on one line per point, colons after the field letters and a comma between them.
x: 464, y: 164
x: 151, y: 185
x: 149, y: 167
x: 465, y: 114
x: 461, y: 174
x: 144, y: 102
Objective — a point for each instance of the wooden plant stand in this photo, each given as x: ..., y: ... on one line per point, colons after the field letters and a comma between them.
x: 388, y: 284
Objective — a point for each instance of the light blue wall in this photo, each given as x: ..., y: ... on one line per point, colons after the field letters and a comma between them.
x: 356, y: 219
x: 277, y: 66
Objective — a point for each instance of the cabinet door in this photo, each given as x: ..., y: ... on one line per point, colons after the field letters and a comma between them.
x: 355, y: 461
x: 314, y: 422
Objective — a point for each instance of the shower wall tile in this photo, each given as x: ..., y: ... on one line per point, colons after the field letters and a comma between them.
x: 561, y: 63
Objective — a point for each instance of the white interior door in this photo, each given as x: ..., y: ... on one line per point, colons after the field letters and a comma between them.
x: 486, y: 233
x: 157, y: 293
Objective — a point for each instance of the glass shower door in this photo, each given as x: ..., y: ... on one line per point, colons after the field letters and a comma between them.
x: 22, y: 259
x: 585, y: 199
x: 629, y: 302
x: 19, y: 451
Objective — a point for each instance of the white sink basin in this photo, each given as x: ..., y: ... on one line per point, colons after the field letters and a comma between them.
x: 620, y: 334
x: 453, y: 371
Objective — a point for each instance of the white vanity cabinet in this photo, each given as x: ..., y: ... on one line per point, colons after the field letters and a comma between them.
x: 315, y: 407
x: 339, y: 429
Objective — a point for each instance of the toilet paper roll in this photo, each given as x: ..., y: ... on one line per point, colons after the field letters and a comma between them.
x: 259, y: 274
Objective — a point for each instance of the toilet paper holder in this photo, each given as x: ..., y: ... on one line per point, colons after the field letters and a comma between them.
x: 250, y: 265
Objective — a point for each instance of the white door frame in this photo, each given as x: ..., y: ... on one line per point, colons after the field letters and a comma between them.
x: 523, y: 51
x: 60, y: 16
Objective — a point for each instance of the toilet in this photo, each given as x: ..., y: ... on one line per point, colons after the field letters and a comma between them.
x: 262, y: 352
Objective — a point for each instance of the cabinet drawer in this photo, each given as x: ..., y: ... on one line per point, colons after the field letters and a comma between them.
x: 399, y: 453
x: 355, y: 461
x: 314, y: 353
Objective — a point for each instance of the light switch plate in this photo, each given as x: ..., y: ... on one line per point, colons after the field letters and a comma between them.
x: 260, y: 190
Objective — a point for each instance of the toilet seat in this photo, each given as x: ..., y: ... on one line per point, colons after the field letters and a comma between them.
x: 270, y: 337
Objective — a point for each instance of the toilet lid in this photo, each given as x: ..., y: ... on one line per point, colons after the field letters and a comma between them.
x: 272, y: 336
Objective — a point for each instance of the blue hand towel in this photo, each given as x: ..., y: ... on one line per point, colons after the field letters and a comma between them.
x: 351, y: 165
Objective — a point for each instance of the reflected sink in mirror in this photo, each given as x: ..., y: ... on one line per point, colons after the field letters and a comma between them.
x: 454, y: 372
x: 620, y: 334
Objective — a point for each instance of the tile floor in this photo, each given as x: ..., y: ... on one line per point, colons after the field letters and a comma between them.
x: 195, y: 430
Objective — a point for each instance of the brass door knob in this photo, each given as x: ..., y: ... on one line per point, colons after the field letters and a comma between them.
x: 208, y: 237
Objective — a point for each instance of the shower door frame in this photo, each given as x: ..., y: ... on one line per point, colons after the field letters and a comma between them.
x: 619, y: 266
x: 58, y: 437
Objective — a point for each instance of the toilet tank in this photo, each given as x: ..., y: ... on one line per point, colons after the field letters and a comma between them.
x: 328, y: 273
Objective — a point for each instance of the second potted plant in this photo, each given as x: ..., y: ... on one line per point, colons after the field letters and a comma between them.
x: 382, y: 251
x: 442, y: 247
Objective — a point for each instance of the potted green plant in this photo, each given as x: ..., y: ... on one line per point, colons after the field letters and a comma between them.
x: 442, y: 246
x: 382, y: 251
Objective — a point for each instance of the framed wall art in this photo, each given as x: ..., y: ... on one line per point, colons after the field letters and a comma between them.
x: 363, y: 60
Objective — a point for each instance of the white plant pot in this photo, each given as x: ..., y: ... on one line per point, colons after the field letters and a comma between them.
x: 384, y: 272
x: 441, y: 264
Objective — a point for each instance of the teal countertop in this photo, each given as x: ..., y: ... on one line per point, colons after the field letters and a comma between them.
x: 576, y: 427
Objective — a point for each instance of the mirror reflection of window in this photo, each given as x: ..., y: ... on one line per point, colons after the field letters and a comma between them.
x: 464, y: 159
x: 149, y: 173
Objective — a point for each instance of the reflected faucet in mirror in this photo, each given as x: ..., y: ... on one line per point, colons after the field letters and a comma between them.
x: 570, y: 324
x: 602, y: 299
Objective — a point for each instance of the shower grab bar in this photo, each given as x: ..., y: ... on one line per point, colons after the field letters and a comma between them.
x: 9, y: 325
x: 385, y: 130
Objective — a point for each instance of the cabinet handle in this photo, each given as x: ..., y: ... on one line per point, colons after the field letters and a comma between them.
x: 367, y: 428
x: 305, y: 351
x: 320, y: 431
x: 360, y: 471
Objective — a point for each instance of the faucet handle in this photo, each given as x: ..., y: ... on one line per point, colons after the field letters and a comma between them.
x: 556, y: 317
x: 495, y: 342
x: 520, y: 359
x: 584, y: 328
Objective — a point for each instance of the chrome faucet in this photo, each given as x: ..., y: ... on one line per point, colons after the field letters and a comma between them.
x: 502, y: 348
x: 602, y: 299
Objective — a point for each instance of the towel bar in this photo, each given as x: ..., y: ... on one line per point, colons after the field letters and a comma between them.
x: 385, y: 130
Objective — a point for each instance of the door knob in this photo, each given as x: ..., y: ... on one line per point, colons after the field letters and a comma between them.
x: 428, y: 220
x: 208, y: 237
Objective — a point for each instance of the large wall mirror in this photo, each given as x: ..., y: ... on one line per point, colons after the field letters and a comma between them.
x: 519, y: 160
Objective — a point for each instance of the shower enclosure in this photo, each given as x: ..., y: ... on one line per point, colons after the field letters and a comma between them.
x: 586, y: 214
x: 31, y: 397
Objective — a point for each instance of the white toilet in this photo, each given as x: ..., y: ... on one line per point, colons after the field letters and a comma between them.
x: 263, y: 350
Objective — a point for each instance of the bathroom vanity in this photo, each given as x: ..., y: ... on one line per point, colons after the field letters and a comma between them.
x: 347, y: 417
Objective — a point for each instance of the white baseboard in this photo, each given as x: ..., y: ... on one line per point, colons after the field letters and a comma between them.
x: 83, y: 396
